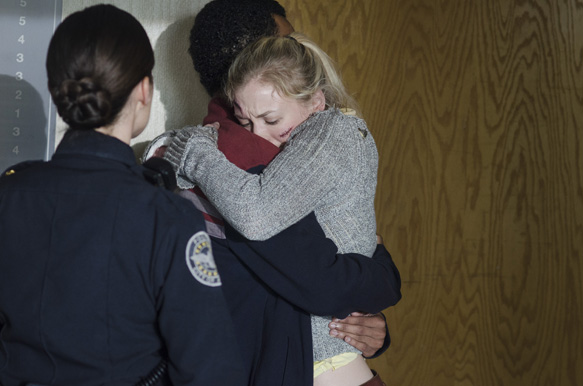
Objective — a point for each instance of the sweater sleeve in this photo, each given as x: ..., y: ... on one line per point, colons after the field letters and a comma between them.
x: 157, y: 144
x: 294, y: 184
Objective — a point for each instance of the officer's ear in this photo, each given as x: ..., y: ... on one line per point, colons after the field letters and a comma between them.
x: 145, y: 91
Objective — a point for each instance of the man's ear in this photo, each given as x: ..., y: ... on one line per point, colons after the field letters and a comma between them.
x: 318, y: 101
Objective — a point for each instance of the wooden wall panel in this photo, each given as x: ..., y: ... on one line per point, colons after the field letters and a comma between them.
x: 477, y: 110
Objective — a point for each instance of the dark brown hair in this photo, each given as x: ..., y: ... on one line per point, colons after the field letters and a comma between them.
x: 222, y: 29
x: 95, y: 59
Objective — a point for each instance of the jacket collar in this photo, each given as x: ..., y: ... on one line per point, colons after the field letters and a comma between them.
x: 94, y: 143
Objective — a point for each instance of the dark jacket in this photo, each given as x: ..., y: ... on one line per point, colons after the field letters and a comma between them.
x: 103, y: 274
x: 272, y: 287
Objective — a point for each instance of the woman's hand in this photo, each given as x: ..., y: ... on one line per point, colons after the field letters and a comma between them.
x: 366, y: 332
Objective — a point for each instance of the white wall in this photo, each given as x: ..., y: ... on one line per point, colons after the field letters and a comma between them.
x: 179, y: 98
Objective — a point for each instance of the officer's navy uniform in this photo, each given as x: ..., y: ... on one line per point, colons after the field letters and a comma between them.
x: 102, y: 275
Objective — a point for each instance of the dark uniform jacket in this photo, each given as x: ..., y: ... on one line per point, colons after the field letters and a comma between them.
x: 103, y: 274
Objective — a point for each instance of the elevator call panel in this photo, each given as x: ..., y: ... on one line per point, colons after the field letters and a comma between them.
x: 27, y: 115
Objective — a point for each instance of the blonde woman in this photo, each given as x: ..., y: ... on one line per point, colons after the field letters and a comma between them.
x: 286, y: 90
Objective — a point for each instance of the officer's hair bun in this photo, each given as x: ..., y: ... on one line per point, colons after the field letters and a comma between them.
x: 96, y: 58
x: 83, y: 104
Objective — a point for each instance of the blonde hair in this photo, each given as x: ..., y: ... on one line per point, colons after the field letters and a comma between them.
x: 294, y: 65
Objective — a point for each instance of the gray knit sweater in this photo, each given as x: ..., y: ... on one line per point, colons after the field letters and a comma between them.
x: 329, y: 166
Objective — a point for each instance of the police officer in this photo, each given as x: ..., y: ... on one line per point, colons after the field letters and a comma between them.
x: 104, y: 278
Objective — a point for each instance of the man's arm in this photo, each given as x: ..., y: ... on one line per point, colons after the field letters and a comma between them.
x: 301, y: 265
x: 369, y: 333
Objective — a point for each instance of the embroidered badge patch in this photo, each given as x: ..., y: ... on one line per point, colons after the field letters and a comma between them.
x: 200, y: 261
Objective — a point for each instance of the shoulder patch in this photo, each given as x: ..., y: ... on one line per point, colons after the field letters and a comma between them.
x: 200, y: 260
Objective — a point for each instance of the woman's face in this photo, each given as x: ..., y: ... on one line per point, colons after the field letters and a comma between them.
x: 261, y: 110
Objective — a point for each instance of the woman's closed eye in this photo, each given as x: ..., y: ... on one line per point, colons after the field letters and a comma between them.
x: 275, y: 122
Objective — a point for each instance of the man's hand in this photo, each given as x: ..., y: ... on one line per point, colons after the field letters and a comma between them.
x: 366, y: 332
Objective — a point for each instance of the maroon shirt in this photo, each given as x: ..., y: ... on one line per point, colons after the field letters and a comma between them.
x: 240, y: 146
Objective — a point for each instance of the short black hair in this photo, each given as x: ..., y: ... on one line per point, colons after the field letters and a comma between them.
x: 222, y: 29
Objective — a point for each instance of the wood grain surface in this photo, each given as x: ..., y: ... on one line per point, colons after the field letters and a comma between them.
x: 477, y: 110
